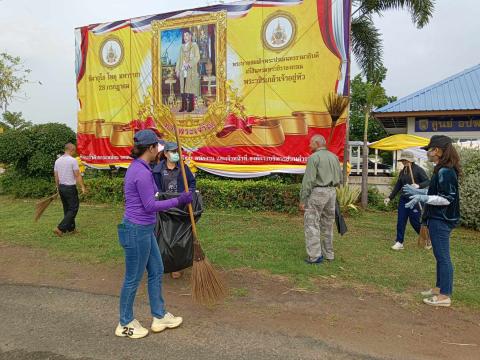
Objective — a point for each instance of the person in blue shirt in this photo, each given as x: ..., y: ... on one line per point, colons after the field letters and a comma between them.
x: 168, y: 177
x: 410, y: 170
x: 167, y: 174
x: 441, y: 213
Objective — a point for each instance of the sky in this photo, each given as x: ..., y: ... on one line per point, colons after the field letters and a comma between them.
x: 41, y: 33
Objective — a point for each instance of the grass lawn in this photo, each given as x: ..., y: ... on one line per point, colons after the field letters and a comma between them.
x: 272, y: 242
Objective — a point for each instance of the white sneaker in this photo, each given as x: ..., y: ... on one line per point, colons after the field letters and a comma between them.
x: 168, y: 321
x: 133, y: 330
x: 397, y: 246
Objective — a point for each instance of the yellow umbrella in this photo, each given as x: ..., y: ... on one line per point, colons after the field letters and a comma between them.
x: 399, y: 142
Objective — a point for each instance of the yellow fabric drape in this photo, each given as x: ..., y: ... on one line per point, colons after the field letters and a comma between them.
x: 250, y: 168
x: 247, y: 168
x: 81, y: 166
x: 399, y: 142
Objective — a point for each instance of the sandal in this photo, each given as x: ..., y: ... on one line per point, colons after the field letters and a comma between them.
x: 435, y: 301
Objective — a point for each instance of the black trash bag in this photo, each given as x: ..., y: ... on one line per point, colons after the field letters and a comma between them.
x: 174, y: 233
x: 339, y: 220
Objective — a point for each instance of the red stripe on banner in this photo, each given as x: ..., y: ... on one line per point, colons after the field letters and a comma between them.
x: 324, y: 10
x: 295, y: 146
x: 83, y: 49
x: 100, y: 151
x: 294, y: 151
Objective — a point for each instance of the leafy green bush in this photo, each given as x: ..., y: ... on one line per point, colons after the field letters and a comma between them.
x: 104, y: 190
x: 470, y: 188
x: 375, y: 198
x: 33, y: 151
x: 470, y: 159
x: 20, y: 186
x: 469, y: 206
x: 14, y: 148
x: 48, y: 141
x: 264, y: 195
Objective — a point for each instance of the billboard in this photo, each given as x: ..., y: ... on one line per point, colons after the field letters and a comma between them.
x: 244, y: 82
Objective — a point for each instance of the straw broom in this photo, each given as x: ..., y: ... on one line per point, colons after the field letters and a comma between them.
x: 42, y: 205
x: 424, y: 236
x: 208, y: 286
x: 336, y: 106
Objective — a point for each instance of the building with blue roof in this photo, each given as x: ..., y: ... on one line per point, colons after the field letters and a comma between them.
x: 450, y: 107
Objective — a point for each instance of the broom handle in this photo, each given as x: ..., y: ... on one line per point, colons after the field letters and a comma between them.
x: 185, y: 184
x: 330, y: 136
x: 413, y: 180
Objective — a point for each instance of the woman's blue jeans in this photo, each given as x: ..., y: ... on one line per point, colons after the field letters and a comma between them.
x: 440, y: 236
x: 141, y: 251
x: 405, y: 214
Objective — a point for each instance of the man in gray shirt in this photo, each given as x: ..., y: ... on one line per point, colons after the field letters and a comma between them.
x: 67, y: 175
x: 317, y: 200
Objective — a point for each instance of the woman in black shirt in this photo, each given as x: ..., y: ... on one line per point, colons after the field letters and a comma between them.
x: 442, y: 213
x: 405, y: 214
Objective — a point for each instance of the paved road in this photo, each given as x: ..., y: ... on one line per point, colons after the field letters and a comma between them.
x: 39, y: 323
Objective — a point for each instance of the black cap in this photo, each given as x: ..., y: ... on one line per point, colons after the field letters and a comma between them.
x: 438, y: 141
x: 170, y: 146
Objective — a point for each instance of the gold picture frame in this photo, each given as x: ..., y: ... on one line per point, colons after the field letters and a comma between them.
x: 219, y: 19
x: 196, y: 130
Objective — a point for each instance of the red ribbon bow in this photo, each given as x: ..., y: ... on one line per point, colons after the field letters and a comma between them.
x: 234, y: 122
x: 137, y: 125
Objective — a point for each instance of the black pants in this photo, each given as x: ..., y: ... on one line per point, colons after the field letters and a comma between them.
x: 71, y: 203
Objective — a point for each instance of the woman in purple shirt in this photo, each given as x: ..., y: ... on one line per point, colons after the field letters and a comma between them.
x: 136, y: 235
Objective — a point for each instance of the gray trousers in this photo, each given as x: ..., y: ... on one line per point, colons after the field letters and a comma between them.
x: 319, y: 219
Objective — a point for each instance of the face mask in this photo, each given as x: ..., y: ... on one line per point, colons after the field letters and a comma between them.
x: 174, y: 157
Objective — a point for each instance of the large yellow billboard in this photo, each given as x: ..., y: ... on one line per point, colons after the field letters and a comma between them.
x: 244, y: 82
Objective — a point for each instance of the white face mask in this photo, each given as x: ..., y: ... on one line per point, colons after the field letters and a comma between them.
x: 174, y: 157
x: 160, y: 147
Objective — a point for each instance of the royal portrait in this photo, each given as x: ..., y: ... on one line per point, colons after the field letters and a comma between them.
x: 189, y: 64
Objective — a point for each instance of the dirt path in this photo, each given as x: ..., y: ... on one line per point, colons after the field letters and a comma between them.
x: 334, y: 321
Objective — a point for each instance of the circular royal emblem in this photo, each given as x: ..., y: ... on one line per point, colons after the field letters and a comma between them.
x: 111, y: 52
x: 278, y: 31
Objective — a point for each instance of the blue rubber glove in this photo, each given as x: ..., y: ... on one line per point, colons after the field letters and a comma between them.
x: 415, y: 199
x: 185, y: 198
x: 410, y: 190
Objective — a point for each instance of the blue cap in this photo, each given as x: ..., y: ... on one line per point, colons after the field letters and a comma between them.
x: 170, y: 146
x: 145, y: 137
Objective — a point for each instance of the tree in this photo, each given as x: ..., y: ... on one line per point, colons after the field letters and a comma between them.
x: 32, y: 152
x: 12, y: 77
x: 373, y: 95
x: 366, y: 38
x: 358, y: 96
x: 14, y: 121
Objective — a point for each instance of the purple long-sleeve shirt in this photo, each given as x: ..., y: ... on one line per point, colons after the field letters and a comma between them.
x: 140, y: 190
